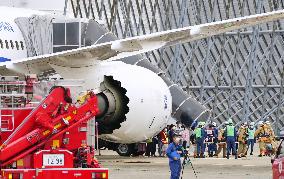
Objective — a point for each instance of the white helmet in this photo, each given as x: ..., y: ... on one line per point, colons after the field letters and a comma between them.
x: 260, y: 123
x: 230, y: 121
x: 214, y: 124
x: 251, y: 124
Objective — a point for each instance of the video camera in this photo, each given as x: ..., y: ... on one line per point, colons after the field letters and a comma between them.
x: 183, y: 151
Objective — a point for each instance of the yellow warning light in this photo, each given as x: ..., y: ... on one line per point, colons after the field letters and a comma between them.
x: 20, y: 163
x: 55, y: 143
x: 104, y: 175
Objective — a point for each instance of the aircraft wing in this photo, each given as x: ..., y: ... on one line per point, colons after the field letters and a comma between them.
x: 113, y: 50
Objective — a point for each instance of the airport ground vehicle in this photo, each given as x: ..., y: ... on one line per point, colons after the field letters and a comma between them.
x: 278, y: 160
x: 51, y: 140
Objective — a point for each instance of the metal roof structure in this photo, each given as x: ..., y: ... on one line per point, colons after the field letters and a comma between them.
x: 238, y: 75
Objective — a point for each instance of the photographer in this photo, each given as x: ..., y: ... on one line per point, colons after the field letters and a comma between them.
x: 174, y: 152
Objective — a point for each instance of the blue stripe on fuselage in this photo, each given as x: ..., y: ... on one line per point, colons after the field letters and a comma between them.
x: 3, y: 59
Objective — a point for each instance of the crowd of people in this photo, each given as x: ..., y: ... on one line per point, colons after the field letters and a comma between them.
x: 215, y: 141
x: 176, y: 141
x: 164, y: 138
x: 232, y: 141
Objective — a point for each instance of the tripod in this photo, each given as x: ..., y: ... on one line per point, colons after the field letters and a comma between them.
x: 187, y: 160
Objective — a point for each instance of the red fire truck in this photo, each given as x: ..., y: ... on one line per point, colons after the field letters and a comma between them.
x: 47, y: 139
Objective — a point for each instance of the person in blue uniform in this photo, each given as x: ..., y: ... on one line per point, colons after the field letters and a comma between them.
x: 251, y: 138
x: 200, y: 134
x: 231, y: 135
x: 174, y: 153
x: 210, y: 138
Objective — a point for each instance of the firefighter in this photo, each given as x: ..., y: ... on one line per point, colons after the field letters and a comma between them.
x: 262, y: 134
x: 231, y: 134
x: 174, y: 155
x: 210, y: 139
x: 221, y: 143
x: 251, y: 138
x: 271, y: 137
x: 242, y: 139
x: 199, y: 134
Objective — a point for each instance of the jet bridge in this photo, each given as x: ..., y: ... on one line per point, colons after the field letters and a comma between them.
x: 46, y: 34
x: 68, y: 34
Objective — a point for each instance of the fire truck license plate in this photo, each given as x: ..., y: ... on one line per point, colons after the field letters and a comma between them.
x: 53, y: 159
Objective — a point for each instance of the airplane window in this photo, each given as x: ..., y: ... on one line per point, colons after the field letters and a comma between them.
x: 7, y: 44
x: 17, y: 45
x: 22, y: 45
x: 12, y: 44
x: 1, y: 43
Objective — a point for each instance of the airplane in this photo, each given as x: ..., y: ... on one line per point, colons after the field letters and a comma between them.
x: 135, y: 102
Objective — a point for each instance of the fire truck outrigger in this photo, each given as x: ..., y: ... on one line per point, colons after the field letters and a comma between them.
x: 51, y: 140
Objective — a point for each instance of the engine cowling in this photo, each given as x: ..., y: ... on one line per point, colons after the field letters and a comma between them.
x: 135, y: 102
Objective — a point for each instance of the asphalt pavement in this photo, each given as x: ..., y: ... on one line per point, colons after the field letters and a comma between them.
x: 142, y: 167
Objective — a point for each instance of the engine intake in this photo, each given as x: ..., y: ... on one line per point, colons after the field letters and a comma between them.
x: 112, y: 104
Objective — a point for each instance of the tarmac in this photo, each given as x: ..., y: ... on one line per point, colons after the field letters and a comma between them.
x: 142, y: 167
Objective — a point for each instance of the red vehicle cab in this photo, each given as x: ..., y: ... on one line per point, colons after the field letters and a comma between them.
x: 278, y: 161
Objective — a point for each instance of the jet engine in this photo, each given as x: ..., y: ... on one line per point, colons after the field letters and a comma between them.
x: 135, y: 103
x: 186, y: 109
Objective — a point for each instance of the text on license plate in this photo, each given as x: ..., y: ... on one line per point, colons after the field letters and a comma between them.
x: 53, y: 159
